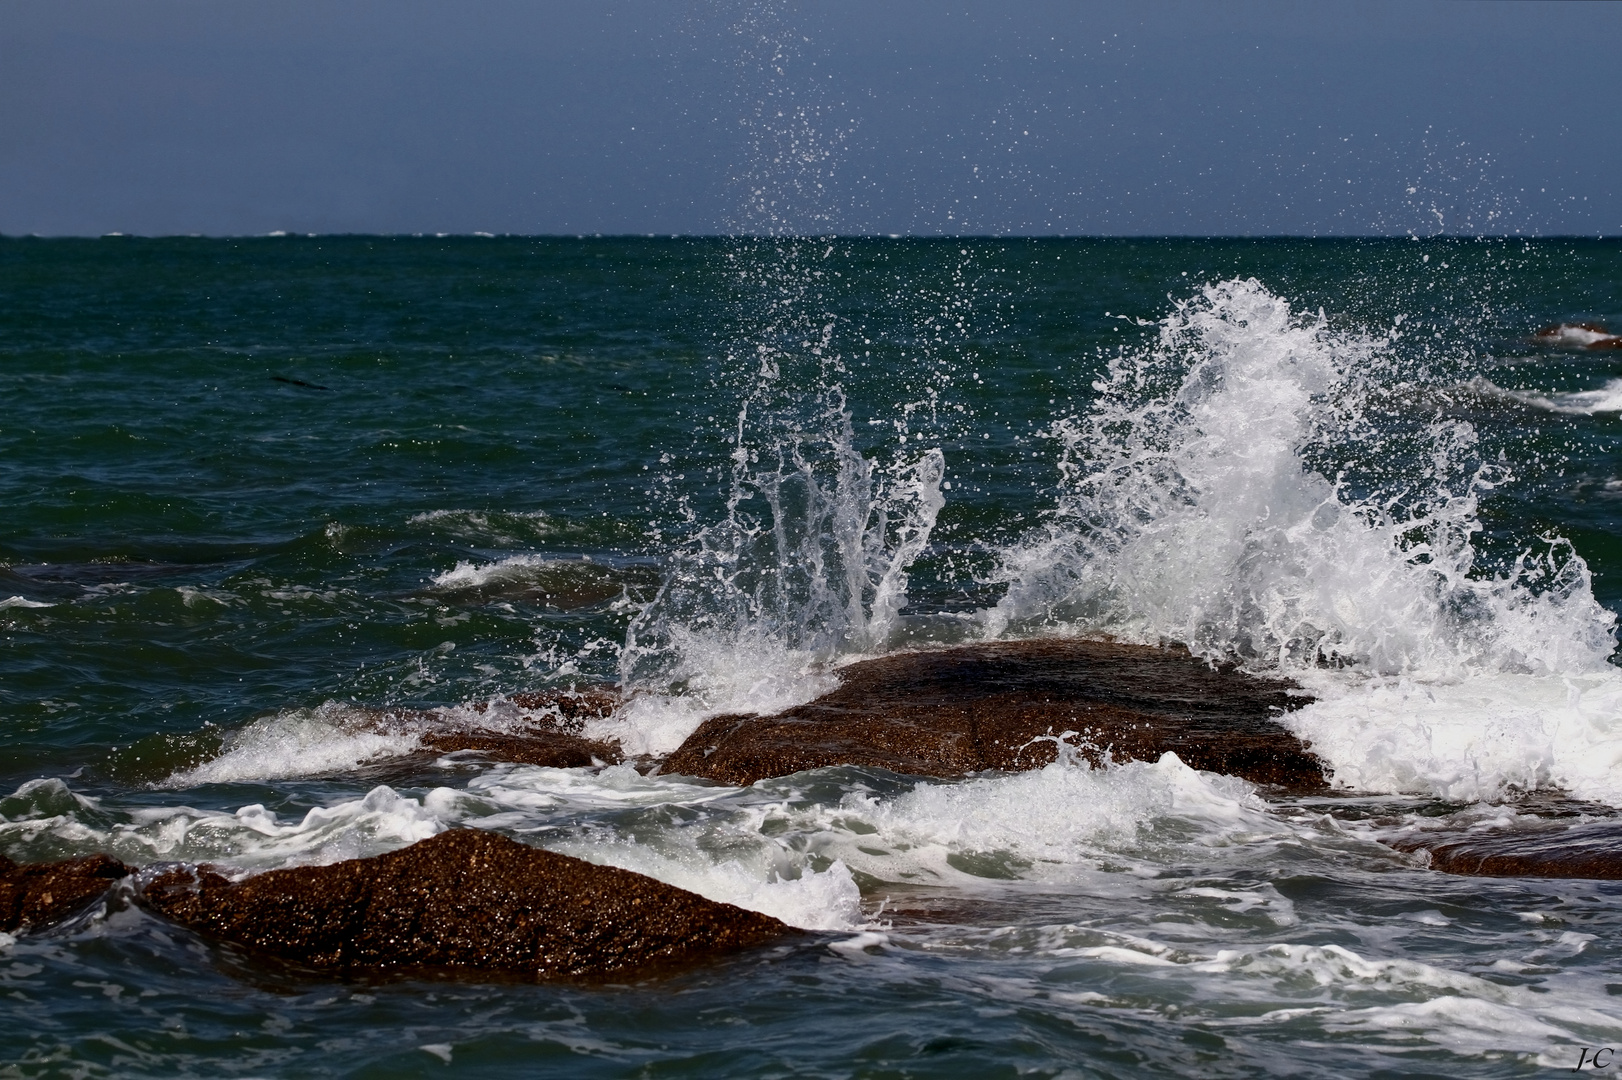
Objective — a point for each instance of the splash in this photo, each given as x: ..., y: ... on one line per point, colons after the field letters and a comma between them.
x: 810, y: 559
x: 807, y: 557
x: 1190, y: 511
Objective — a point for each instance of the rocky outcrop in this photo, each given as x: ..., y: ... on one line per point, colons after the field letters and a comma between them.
x: 465, y: 901
x: 555, y: 750
x: 1585, y: 335
x: 1000, y: 705
x: 36, y: 895
x: 529, y: 728
x: 1585, y: 850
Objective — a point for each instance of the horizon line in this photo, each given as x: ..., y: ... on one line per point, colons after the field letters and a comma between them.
x: 280, y: 234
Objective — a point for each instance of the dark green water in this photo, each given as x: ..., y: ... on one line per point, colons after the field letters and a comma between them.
x: 237, y: 478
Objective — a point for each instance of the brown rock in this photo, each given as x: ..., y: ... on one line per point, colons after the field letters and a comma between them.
x: 551, y: 749
x: 1587, y: 850
x: 540, y: 727
x: 465, y: 901
x: 1587, y: 335
x: 571, y: 706
x: 33, y: 896
x: 961, y: 710
x: 531, y: 728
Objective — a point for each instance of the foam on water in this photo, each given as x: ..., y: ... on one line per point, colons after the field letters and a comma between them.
x: 1606, y: 399
x: 489, y: 528
x: 467, y: 575
x: 1051, y: 821
x: 330, y: 738
x: 787, y: 848
x: 1583, y: 336
x: 1189, y: 511
x: 1472, y: 739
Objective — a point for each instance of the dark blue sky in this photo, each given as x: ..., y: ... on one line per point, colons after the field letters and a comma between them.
x: 885, y: 116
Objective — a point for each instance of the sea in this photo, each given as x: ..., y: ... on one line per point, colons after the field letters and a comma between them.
x: 256, y: 492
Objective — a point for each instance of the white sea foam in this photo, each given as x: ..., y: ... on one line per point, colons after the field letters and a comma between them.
x: 468, y: 575
x: 299, y: 742
x: 1189, y: 513
x: 479, y: 527
x: 1606, y: 399
x: 718, y: 673
x: 1472, y: 738
x: 251, y: 837
x: 1316, y: 991
x: 1051, y: 820
x: 768, y: 848
x: 1584, y: 337
x: 22, y: 602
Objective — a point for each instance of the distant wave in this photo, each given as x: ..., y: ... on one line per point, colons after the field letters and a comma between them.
x: 1580, y: 335
x: 1607, y: 399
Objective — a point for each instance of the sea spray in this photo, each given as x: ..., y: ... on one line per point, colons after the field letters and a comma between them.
x: 1189, y: 512
x: 809, y: 557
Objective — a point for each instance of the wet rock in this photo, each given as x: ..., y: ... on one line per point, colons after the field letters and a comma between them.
x: 36, y: 895
x: 1586, y: 335
x: 530, y: 728
x: 1000, y: 705
x: 551, y: 749
x: 465, y: 901
x: 569, y: 707
x: 1586, y: 850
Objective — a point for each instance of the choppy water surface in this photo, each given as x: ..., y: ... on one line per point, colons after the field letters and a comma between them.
x: 254, y: 488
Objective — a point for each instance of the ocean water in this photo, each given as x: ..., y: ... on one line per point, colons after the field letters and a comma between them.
x: 255, y: 490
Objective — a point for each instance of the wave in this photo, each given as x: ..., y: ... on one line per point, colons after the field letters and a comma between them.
x: 1607, y: 399
x: 490, y: 528
x: 1190, y: 511
x: 1579, y: 335
x: 563, y: 584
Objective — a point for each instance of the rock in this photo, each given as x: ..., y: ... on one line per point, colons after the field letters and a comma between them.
x: 551, y: 749
x: 530, y: 728
x: 565, y: 708
x: 1587, y: 850
x: 955, y: 711
x: 465, y: 901
x: 1580, y: 335
x: 34, y: 896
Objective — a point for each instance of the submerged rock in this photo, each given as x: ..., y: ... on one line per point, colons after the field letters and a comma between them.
x: 1585, y: 335
x: 1001, y: 705
x: 36, y: 895
x: 1586, y: 850
x: 465, y: 901
x: 532, y: 728
x: 551, y: 749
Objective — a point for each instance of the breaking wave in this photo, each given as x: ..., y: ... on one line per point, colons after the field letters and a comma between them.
x: 1193, y: 509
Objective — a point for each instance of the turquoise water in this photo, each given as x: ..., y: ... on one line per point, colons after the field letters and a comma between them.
x: 251, y: 487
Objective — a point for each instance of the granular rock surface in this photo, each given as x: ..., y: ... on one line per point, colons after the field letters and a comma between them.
x: 466, y: 901
x: 999, y: 706
x: 35, y: 895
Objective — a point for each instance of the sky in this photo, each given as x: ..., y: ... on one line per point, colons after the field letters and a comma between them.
x: 980, y: 117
